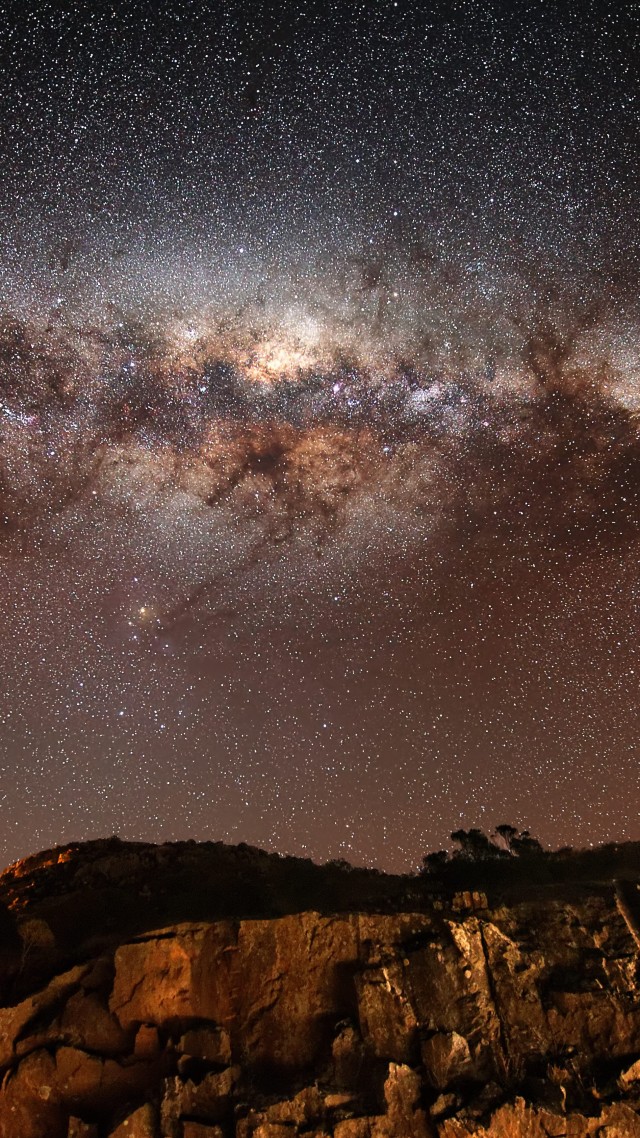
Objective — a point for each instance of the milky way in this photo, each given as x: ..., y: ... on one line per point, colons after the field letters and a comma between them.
x: 319, y: 436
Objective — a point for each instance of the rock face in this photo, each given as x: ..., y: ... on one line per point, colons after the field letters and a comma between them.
x: 522, y: 1022
x: 511, y: 1021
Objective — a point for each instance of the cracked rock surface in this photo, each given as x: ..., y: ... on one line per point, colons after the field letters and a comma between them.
x: 517, y: 1020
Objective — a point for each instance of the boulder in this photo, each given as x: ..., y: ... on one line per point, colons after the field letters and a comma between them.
x: 348, y: 1057
x: 631, y: 1075
x: 404, y: 1117
x: 209, y: 1100
x: 15, y: 1021
x: 446, y: 1058
x: 30, y: 1105
x: 388, y: 1020
x: 87, y: 1082
x: 141, y: 1124
x: 87, y: 1023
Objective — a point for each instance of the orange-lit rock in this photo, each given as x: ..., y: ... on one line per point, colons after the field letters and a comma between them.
x: 142, y: 1123
x: 201, y: 1130
x: 446, y: 1058
x: 521, y: 1021
x: 30, y: 1105
x: 80, y: 1129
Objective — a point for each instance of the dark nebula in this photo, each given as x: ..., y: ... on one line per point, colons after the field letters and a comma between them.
x: 319, y: 435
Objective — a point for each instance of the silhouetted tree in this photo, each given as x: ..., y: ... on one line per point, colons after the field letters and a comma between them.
x: 525, y: 846
x: 507, y: 833
x: 475, y: 845
x: 434, y: 862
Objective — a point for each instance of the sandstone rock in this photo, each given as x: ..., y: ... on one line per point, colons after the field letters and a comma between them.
x: 201, y: 1130
x: 355, y: 1128
x: 86, y: 1022
x: 405, y: 1118
x: 209, y: 1044
x: 338, y: 1101
x: 272, y: 1130
x: 29, y: 1103
x: 80, y: 1129
x: 631, y: 1075
x: 452, y: 992
x: 15, y: 1021
x: 140, y: 1124
x: 594, y: 1020
x: 446, y: 1058
x: 485, y: 1100
x: 209, y: 1100
x: 154, y: 979
x: 293, y: 1115
x: 147, y: 1042
x: 388, y: 1021
x: 515, y: 980
x: 277, y: 985
x: 444, y: 1104
x: 345, y: 1025
x: 291, y: 979
x: 303, y: 1109
x: 348, y: 1057
x: 469, y: 901
x: 522, y: 1120
x: 305, y: 1113
x: 619, y: 1121
x: 87, y: 1082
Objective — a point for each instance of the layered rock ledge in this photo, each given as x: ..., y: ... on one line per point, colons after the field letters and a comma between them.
x: 517, y: 1020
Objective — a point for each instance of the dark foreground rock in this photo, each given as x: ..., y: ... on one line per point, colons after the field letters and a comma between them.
x: 518, y: 1020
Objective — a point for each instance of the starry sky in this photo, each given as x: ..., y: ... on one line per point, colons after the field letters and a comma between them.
x: 319, y: 423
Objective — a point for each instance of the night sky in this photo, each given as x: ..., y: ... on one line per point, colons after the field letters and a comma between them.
x: 319, y: 423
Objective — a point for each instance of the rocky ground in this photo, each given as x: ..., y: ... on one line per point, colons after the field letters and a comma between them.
x: 415, y: 1015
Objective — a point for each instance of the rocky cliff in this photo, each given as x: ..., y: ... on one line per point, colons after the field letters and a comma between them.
x: 464, y: 1017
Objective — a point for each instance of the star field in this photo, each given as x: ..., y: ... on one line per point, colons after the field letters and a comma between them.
x: 319, y: 441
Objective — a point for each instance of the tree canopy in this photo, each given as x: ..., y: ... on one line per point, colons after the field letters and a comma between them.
x: 474, y: 845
